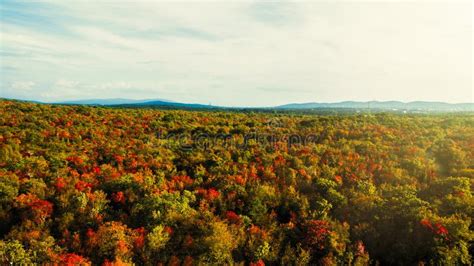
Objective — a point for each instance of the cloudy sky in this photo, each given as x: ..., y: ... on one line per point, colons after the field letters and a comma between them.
x: 239, y: 53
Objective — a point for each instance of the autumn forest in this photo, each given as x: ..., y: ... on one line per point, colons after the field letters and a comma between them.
x: 90, y: 185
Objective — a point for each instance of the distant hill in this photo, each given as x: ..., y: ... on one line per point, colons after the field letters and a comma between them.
x: 169, y: 104
x: 137, y: 103
x: 388, y: 105
x: 115, y: 101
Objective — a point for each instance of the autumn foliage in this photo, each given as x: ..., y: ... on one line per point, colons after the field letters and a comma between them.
x: 115, y: 186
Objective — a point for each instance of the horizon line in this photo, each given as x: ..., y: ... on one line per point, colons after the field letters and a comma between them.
x: 226, y: 106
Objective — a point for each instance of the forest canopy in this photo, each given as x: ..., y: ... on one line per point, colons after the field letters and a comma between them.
x: 84, y: 185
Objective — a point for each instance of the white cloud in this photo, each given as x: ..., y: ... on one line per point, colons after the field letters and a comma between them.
x: 120, y: 85
x: 22, y: 86
x: 18, y: 89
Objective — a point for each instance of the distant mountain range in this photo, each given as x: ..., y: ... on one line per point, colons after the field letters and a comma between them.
x: 137, y: 103
x: 397, y: 106
x: 388, y: 105
x: 115, y: 101
x: 170, y: 104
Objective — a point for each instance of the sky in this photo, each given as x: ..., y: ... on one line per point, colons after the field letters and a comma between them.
x: 237, y: 53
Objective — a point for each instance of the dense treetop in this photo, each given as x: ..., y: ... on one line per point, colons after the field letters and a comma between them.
x: 94, y: 185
